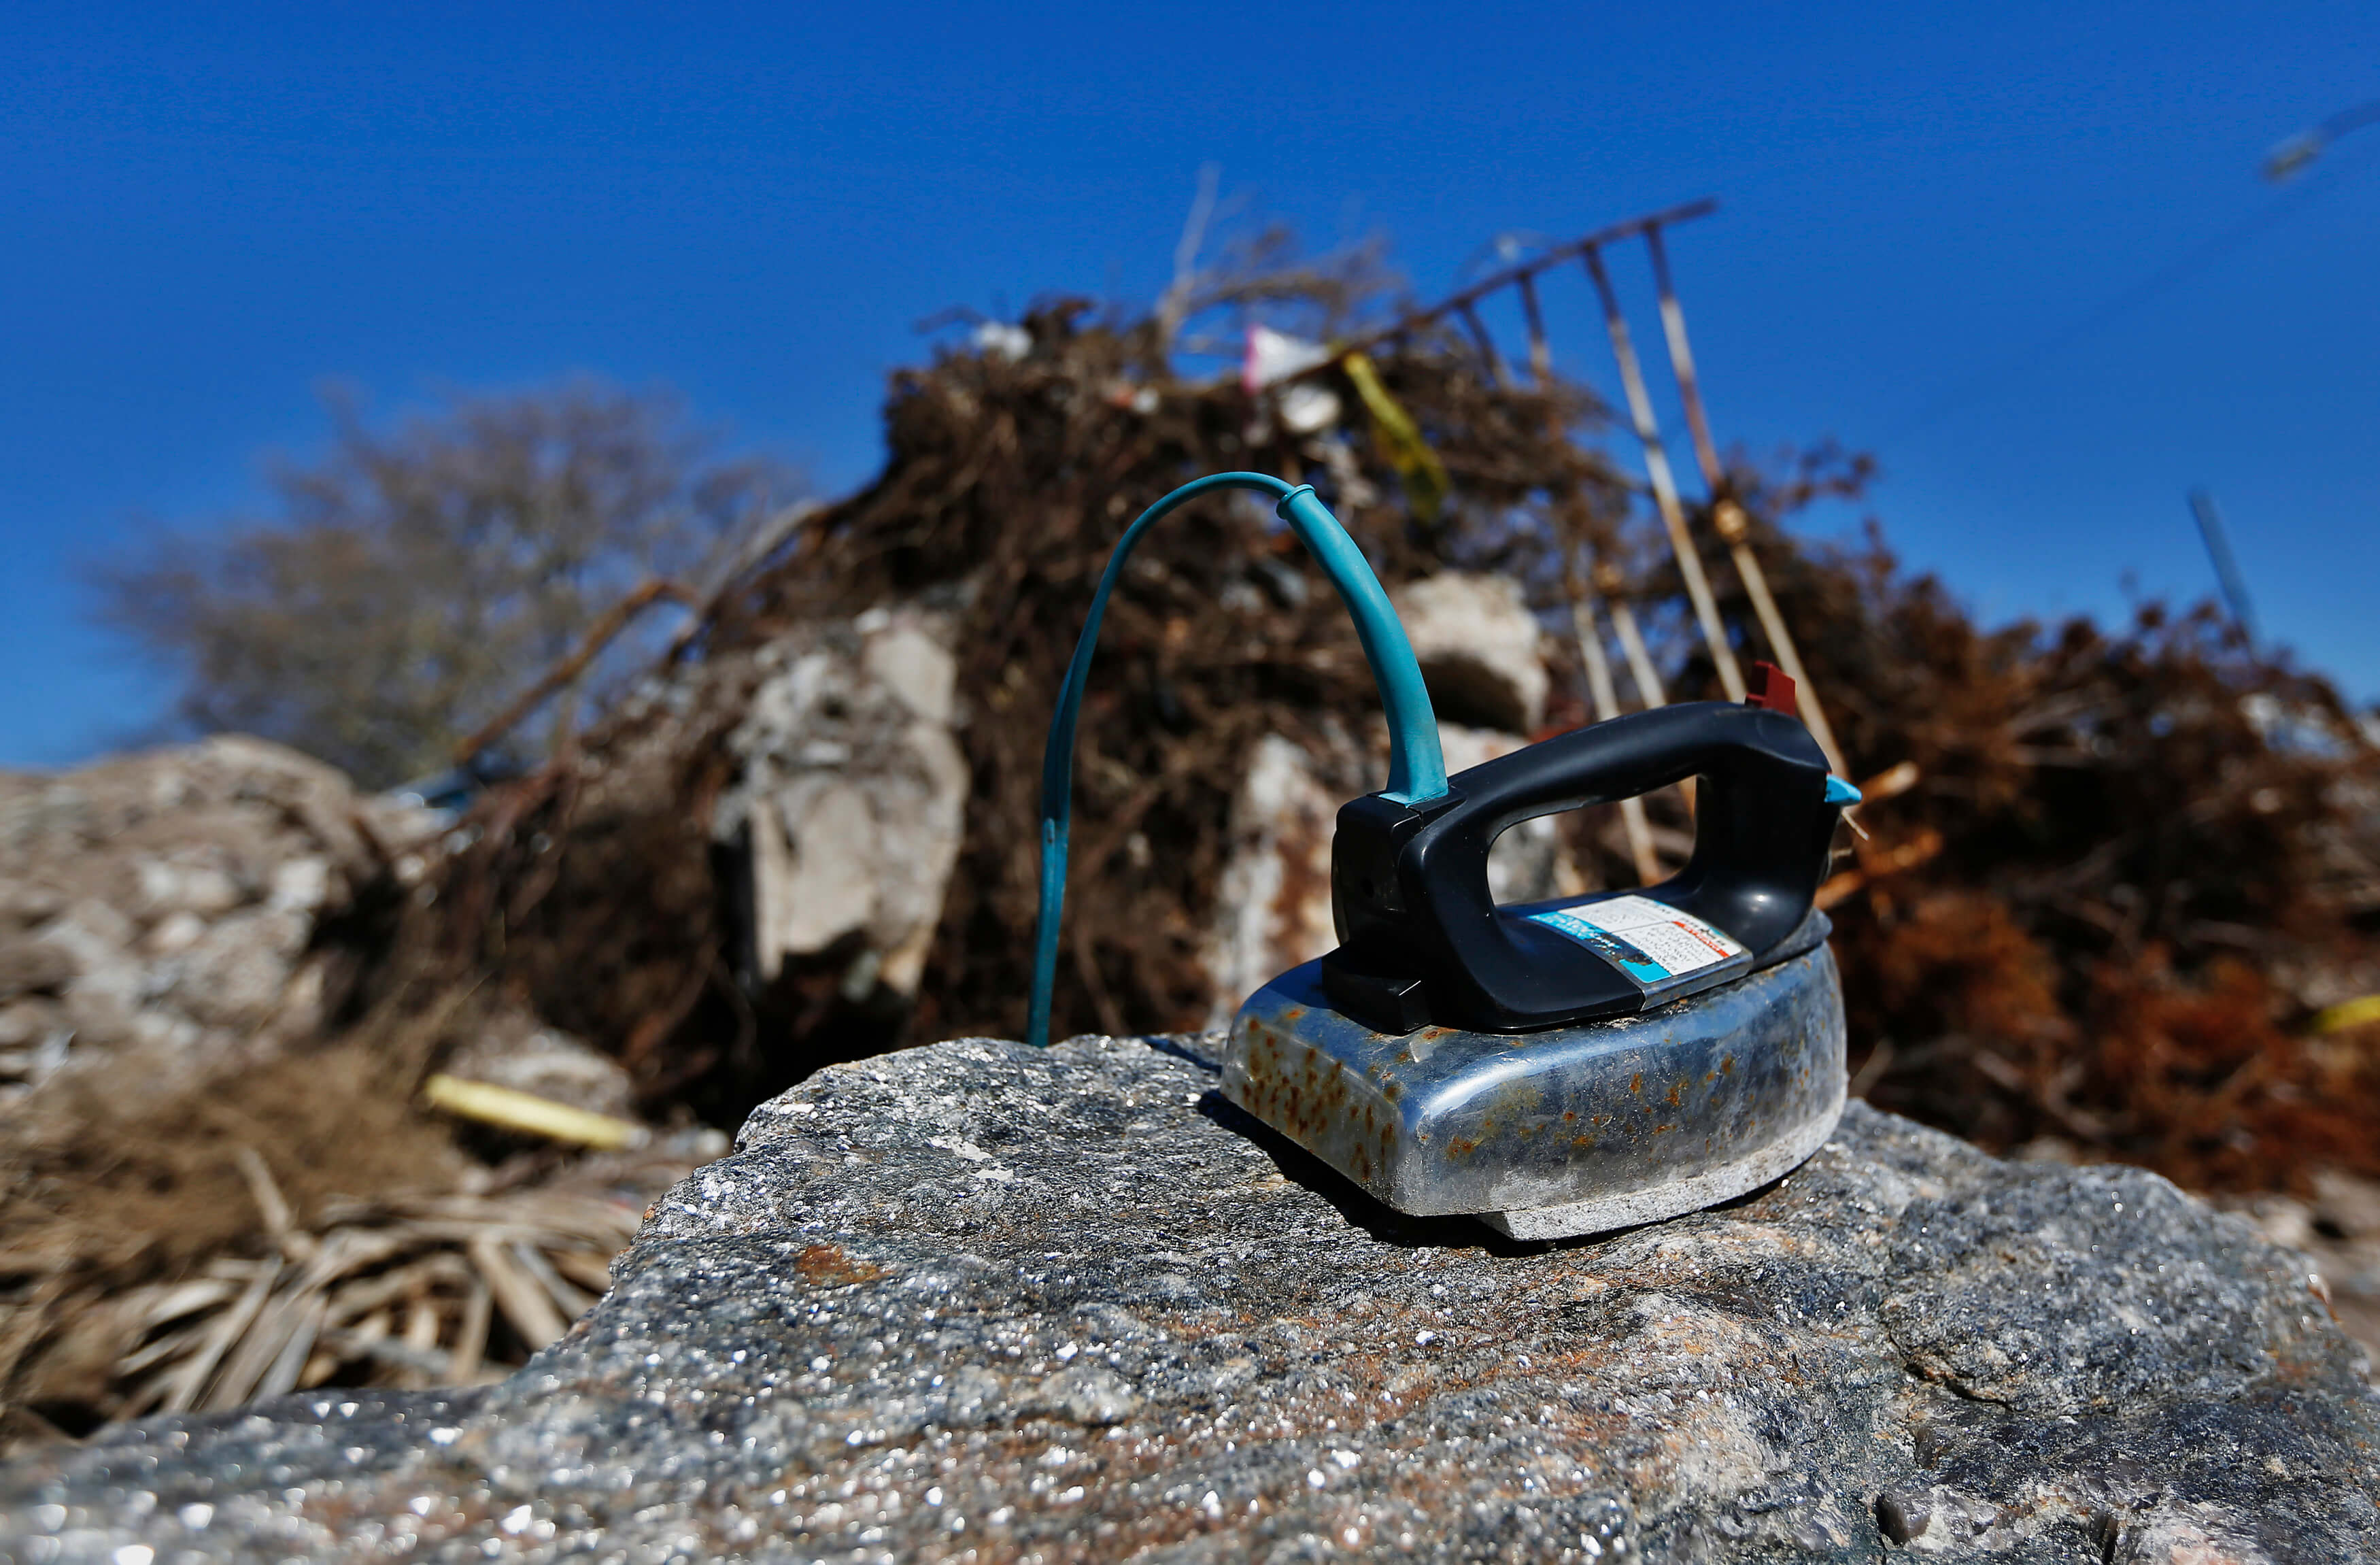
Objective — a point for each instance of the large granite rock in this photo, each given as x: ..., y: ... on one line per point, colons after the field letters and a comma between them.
x: 971, y: 1301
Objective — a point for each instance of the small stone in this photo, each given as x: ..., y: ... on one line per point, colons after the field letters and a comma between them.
x: 1090, y: 1394
x: 26, y: 1023
x: 35, y: 967
x: 1902, y: 1517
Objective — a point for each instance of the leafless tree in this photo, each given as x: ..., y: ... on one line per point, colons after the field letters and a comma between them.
x: 428, y: 569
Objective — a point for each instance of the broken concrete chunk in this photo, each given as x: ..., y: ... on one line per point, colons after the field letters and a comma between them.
x: 912, y: 662
x: 36, y: 967
x: 1272, y: 906
x: 232, y: 976
x: 169, y: 903
x: 1479, y: 648
x: 848, y: 804
x: 976, y: 1297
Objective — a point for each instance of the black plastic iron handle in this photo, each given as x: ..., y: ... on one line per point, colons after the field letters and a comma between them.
x: 1410, y: 886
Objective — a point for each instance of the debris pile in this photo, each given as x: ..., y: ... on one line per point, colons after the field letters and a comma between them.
x: 1011, y: 474
x: 300, y: 1222
x: 422, y: 1286
x: 2110, y: 878
x: 171, y: 913
x: 2123, y: 880
x: 218, y: 1189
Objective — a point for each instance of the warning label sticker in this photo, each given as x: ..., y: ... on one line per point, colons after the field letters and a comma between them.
x: 1651, y: 942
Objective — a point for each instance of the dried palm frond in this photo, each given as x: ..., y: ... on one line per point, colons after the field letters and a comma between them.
x: 432, y: 1288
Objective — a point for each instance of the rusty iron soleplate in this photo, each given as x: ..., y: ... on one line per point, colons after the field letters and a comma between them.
x: 1574, y: 1129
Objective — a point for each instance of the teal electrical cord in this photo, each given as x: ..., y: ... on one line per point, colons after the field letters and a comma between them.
x: 1416, y: 768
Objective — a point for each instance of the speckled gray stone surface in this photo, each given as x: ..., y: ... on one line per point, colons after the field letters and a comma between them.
x: 973, y: 1303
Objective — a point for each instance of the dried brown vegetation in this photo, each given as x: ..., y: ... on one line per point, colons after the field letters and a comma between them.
x: 290, y: 1225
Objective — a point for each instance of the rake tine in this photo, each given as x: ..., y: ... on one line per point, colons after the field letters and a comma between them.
x: 1640, y: 668
x: 1665, y: 483
x: 1486, y: 345
x: 1541, y: 353
x: 1727, y: 516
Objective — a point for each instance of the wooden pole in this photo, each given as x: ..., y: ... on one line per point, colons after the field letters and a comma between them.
x: 1665, y: 483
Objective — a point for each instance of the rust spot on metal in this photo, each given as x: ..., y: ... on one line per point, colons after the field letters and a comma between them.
x: 1636, y: 1083
x: 1570, y: 1113
x: 1727, y: 1065
x: 1677, y: 1094
x: 1461, y: 1147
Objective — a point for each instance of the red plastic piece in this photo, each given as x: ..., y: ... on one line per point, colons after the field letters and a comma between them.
x: 1772, y: 688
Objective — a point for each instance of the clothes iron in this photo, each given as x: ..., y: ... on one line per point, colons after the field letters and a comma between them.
x: 1555, y: 1068
x: 1569, y: 1066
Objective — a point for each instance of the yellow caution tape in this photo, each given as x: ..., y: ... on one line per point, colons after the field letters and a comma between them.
x: 2348, y: 1013
x: 509, y: 1108
x: 1417, y: 465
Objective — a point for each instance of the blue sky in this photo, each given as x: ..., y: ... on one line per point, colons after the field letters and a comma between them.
x: 207, y: 211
